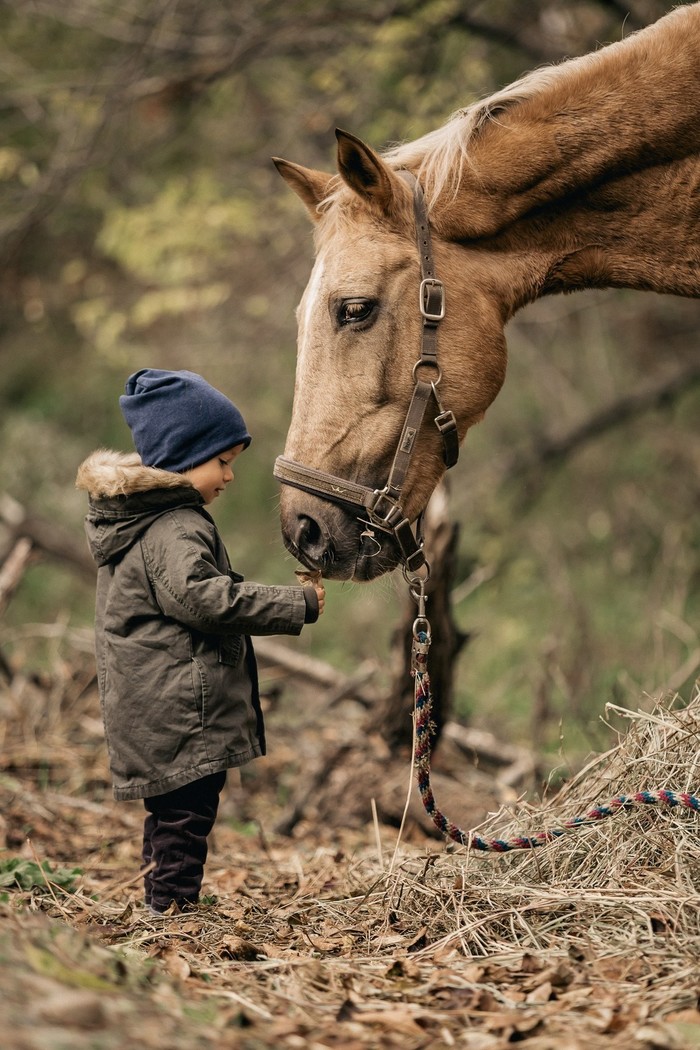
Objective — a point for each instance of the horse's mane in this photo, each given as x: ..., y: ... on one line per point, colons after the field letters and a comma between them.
x: 438, y: 158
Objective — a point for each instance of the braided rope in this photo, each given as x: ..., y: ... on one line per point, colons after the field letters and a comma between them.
x: 423, y: 708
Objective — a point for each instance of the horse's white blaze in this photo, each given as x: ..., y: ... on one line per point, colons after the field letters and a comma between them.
x: 309, y: 377
x: 311, y: 296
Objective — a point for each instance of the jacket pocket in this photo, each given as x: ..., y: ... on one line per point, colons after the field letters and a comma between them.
x: 199, y: 687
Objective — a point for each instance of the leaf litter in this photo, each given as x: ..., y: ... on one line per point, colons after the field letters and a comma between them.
x: 346, y: 938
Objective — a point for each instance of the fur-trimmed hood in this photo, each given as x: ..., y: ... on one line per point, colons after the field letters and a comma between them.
x: 106, y: 473
x: 126, y: 498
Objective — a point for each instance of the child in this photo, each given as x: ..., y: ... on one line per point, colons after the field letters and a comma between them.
x: 176, y: 669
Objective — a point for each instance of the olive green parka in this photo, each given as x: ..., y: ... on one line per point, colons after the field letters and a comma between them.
x: 176, y: 668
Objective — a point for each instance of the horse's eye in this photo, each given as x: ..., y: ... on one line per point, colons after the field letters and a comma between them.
x: 355, y: 311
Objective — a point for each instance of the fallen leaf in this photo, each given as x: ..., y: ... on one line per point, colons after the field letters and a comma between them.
x: 176, y: 965
x: 689, y: 1016
x: 240, y: 949
x: 541, y: 994
x: 73, y: 1008
x: 398, y: 1020
x: 530, y: 964
x: 418, y: 941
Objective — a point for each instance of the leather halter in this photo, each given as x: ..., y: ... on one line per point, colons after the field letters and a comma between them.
x: 382, y: 507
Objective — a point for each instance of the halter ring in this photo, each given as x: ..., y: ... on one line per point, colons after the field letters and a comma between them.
x: 428, y: 364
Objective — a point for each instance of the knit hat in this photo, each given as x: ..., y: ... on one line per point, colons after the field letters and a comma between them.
x: 178, y: 420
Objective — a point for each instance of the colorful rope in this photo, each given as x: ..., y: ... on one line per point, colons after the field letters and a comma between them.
x: 423, y: 708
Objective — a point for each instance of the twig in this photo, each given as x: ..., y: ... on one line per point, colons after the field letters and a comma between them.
x: 13, y: 570
x: 377, y: 836
x: 408, y: 799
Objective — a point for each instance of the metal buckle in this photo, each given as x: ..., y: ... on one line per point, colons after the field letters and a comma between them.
x: 445, y: 422
x: 431, y: 299
x: 384, y: 518
x: 415, y: 561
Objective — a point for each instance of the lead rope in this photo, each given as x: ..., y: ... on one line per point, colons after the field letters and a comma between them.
x: 423, y: 728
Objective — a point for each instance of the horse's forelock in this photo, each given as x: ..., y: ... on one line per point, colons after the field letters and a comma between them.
x: 341, y: 210
x: 337, y: 212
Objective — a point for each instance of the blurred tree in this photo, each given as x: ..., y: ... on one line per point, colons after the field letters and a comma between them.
x: 143, y: 224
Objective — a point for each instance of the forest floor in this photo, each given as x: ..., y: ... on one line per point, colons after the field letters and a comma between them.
x: 343, y: 937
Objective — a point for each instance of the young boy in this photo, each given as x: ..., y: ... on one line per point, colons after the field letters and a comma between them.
x: 176, y: 669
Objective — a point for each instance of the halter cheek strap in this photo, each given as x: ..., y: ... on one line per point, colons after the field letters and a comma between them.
x: 382, y: 507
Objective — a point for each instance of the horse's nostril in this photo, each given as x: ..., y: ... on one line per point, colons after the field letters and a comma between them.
x: 309, y: 539
x: 308, y: 533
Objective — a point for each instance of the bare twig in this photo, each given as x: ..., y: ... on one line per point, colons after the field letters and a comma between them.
x: 12, y: 570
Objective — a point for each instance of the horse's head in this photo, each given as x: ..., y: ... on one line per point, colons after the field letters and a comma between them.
x: 360, y: 330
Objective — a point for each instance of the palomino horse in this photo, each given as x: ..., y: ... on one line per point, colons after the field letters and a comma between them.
x: 581, y: 175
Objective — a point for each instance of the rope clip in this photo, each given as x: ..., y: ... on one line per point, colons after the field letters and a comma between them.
x: 421, y: 628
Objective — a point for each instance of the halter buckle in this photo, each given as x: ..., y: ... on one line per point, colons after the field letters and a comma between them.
x: 431, y: 299
x: 384, y: 511
x: 415, y: 560
x: 445, y: 422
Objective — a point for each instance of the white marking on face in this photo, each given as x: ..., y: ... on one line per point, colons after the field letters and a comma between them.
x: 311, y: 295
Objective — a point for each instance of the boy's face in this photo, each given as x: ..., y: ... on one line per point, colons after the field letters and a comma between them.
x: 212, y: 477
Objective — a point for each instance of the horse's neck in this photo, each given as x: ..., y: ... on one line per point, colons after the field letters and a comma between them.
x: 588, y: 122
x: 641, y: 231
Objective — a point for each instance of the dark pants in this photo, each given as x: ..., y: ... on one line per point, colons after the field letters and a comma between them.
x: 175, y: 837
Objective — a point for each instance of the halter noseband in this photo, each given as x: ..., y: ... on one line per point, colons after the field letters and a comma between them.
x: 382, y: 507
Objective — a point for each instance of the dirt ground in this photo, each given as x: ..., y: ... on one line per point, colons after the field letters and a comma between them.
x: 341, y: 936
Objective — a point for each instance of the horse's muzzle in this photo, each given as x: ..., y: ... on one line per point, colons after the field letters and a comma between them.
x: 329, y: 538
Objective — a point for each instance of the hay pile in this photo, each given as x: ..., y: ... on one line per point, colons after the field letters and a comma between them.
x: 352, y: 940
x: 616, y: 885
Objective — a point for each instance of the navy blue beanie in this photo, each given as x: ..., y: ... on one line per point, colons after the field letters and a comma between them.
x: 178, y: 420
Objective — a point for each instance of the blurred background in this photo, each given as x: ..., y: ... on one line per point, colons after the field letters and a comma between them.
x: 143, y: 224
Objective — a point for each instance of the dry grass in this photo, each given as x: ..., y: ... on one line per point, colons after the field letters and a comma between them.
x: 341, y: 939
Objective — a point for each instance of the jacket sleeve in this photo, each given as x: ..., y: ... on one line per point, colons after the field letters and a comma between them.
x: 190, y: 587
x: 313, y: 610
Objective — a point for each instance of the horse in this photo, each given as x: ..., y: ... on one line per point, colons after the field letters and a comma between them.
x: 584, y: 174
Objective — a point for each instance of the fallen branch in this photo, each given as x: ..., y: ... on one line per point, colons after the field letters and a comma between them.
x: 47, y: 537
x: 12, y: 570
x: 319, y: 672
x: 512, y: 764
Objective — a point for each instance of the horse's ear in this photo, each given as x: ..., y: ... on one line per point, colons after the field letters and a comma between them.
x: 366, y: 174
x: 311, y: 186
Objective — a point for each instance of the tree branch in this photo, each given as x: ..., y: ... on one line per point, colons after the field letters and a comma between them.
x: 530, y: 468
x: 45, y: 536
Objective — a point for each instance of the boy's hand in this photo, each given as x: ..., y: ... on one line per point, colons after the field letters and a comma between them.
x: 320, y: 594
x: 314, y: 578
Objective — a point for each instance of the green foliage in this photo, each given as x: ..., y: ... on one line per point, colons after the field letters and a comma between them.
x: 185, y: 231
x: 16, y: 873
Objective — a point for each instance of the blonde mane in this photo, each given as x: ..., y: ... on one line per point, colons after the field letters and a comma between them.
x: 438, y: 158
